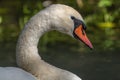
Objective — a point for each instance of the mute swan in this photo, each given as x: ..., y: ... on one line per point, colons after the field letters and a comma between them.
x: 56, y: 17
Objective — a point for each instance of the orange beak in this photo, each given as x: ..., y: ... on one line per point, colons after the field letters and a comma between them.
x: 80, y: 33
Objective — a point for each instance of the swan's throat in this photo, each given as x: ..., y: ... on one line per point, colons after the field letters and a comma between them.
x: 27, y: 52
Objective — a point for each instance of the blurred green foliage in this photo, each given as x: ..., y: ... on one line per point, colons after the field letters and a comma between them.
x: 100, y: 16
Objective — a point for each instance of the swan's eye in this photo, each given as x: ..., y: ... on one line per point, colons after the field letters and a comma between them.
x: 78, y: 22
x: 72, y: 17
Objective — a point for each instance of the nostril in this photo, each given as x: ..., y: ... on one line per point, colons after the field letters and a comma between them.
x: 84, y: 26
x: 83, y: 32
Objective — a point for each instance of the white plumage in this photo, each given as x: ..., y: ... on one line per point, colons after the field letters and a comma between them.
x: 13, y: 73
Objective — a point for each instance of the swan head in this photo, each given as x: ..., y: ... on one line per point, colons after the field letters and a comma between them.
x: 67, y: 20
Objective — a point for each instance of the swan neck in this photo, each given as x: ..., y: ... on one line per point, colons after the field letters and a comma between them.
x: 26, y: 51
